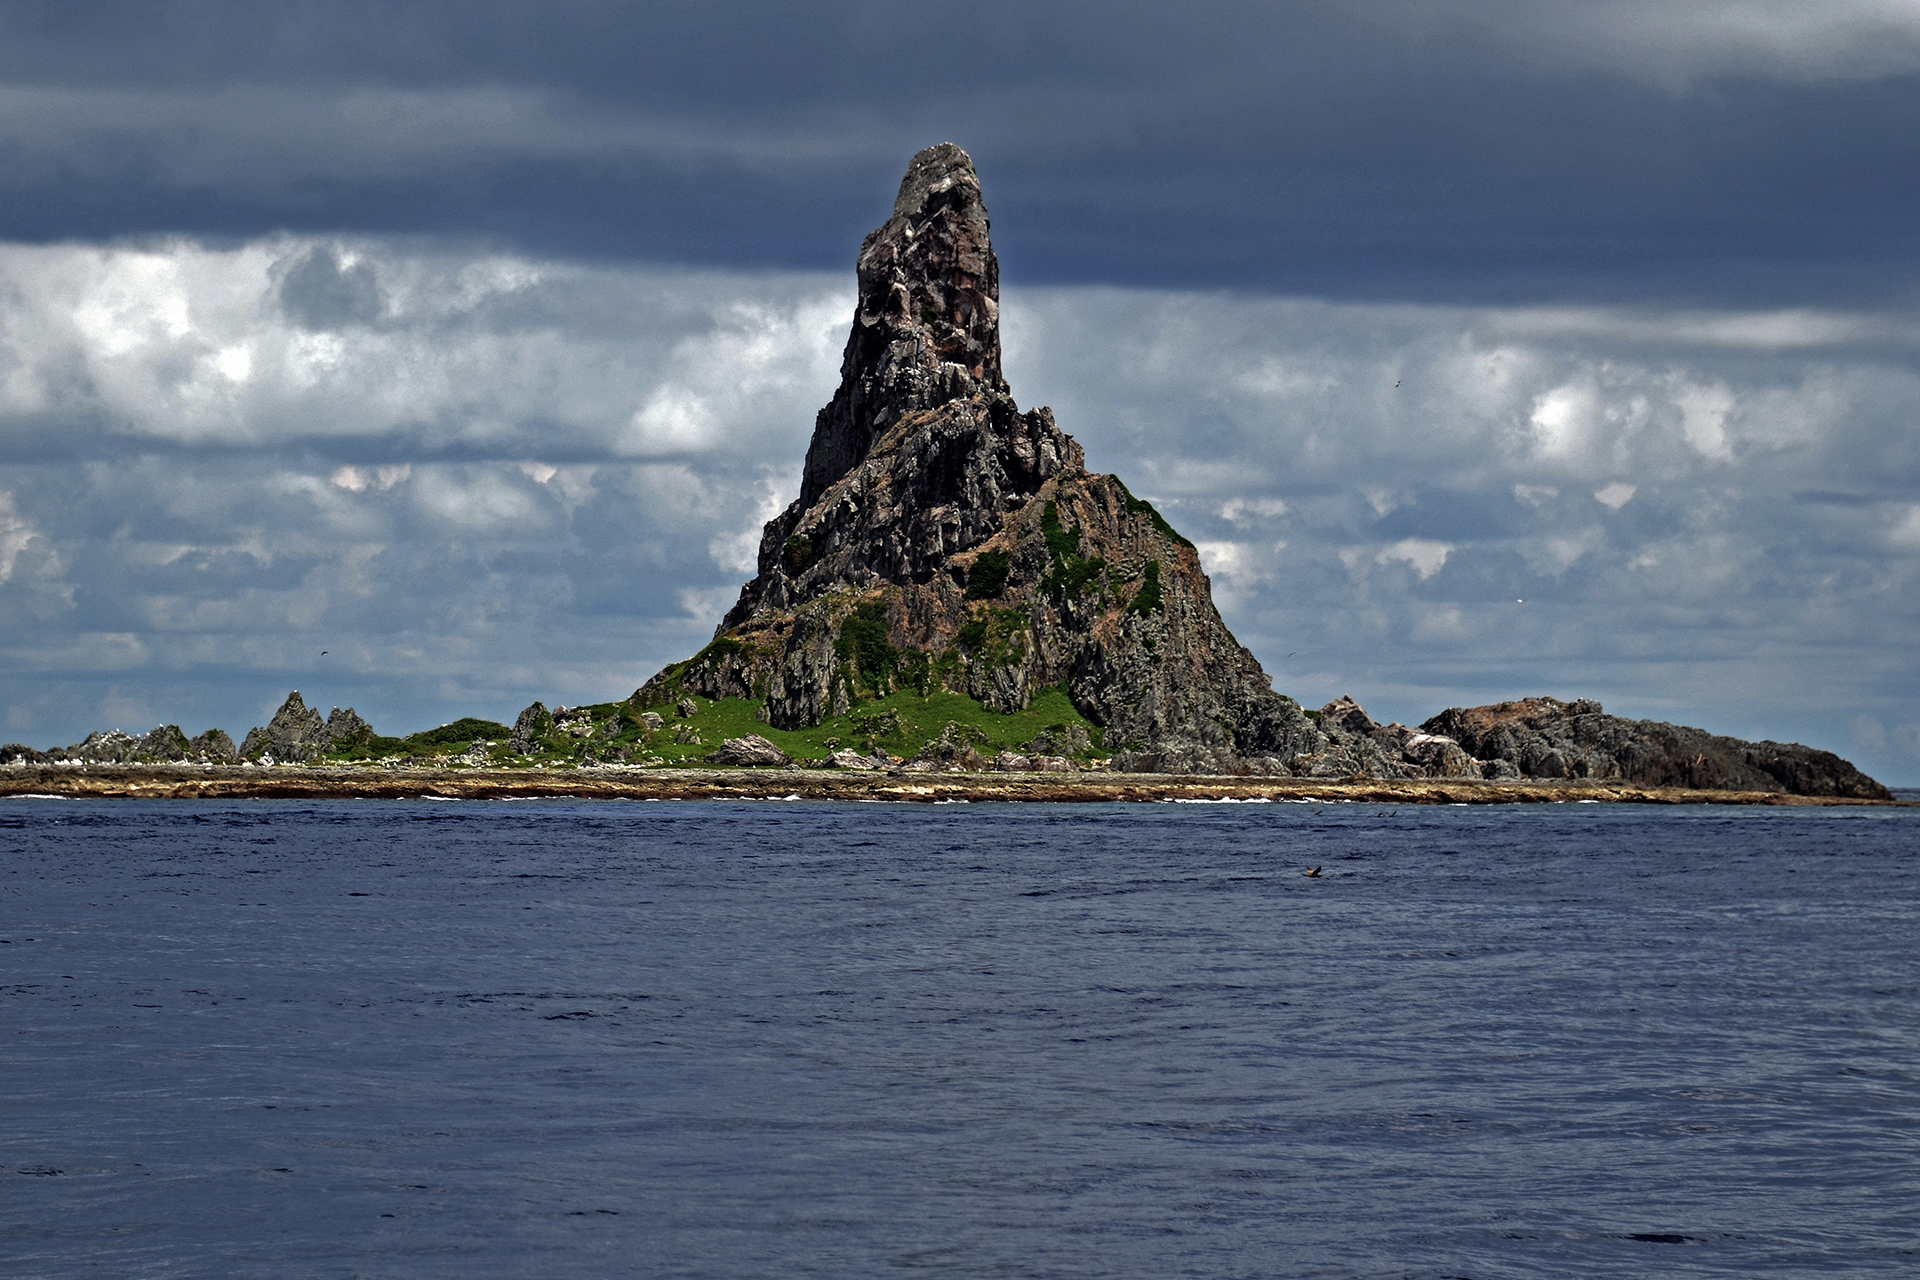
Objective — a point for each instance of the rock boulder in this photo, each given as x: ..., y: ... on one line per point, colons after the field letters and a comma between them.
x: 747, y: 751
x: 533, y: 724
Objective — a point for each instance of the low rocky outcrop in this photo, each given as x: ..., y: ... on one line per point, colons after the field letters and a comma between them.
x: 347, y: 729
x: 751, y: 749
x: 298, y: 734
x: 1359, y: 746
x: 955, y: 749
x: 165, y: 744
x: 847, y: 758
x: 215, y: 747
x: 1546, y: 738
x: 533, y: 724
x: 1068, y: 740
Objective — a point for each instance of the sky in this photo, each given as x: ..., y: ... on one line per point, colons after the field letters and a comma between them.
x: 435, y: 358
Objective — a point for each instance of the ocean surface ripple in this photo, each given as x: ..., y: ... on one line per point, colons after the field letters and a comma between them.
x: 479, y: 1039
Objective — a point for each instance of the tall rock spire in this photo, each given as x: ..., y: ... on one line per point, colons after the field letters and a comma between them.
x: 944, y: 537
x: 927, y: 329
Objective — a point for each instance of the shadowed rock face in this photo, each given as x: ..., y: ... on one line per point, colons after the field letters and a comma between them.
x: 928, y: 317
x: 943, y: 536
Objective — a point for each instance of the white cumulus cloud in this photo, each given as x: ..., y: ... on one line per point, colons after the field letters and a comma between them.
x: 1426, y: 556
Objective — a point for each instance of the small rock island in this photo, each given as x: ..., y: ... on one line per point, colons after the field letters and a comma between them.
x: 954, y: 592
x: 945, y: 539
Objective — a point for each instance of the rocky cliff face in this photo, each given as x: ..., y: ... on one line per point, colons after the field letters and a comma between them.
x: 944, y: 537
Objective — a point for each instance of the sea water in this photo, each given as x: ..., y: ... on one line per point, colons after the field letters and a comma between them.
x: 573, y: 1038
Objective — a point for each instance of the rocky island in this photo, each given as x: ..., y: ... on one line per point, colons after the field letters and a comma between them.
x: 953, y: 592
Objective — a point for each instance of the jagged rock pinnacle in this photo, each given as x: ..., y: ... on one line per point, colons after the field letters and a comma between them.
x: 944, y: 536
x: 927, y: 329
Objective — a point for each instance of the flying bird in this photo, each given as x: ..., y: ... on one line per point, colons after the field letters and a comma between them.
x: 1312, y: 873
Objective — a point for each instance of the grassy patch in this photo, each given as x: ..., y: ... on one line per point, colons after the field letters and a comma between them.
x: 1072, y: 574
x: 722, y: 647
x: 374, y: 748
x: 993, y: 636
x: 460, y: 733
x: 448, y: 739
x: 901, y: 723
x: 1148, y: 599
x: 864, y: 644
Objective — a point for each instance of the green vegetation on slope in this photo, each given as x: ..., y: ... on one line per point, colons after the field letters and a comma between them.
x: 988, y: 576
x: 900, y: 723
x: 863, y: 643
x: 1072, y: 574
x: 448, y: 739
x: 1149, y: 597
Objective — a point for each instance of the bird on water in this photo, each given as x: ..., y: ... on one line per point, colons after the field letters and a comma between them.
x: 1312, y: 873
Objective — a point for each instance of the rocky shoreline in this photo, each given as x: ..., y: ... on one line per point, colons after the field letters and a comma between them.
x: 296, y: 782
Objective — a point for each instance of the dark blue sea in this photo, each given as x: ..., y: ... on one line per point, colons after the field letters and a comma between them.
x: 765, y: 1039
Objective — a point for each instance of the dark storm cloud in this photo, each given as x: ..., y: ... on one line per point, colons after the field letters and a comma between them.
x: 1434, y: 150
x: 319, y: 292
